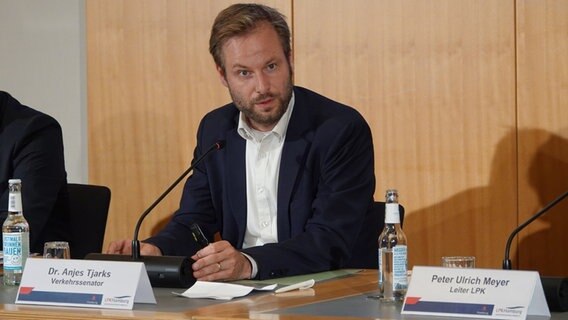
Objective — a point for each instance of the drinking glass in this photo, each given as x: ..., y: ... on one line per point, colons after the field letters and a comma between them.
x: 458, y: 262
x: 56, y: 250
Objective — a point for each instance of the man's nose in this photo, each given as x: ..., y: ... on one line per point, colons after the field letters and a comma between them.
x: 262, y: 84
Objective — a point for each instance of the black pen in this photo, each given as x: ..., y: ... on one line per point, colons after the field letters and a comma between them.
x: 198, y: 235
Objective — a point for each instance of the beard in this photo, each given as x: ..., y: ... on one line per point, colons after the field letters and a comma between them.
x: 247, y: 107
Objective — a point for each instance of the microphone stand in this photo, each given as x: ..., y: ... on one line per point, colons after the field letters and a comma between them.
x: 163, y: 271
x: 507, y: 262
x: 555, y: 288
x: 135, y: 243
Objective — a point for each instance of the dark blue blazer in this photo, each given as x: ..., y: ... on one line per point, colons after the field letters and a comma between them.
x: 31, y: 149
x: 325, y: 191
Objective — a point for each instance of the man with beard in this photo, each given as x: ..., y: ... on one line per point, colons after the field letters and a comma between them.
x: 292, y: 191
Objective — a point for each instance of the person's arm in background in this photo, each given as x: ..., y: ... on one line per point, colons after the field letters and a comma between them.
x: 39, y: 162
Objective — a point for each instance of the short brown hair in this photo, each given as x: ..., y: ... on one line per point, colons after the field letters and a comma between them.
x: 241, y: 18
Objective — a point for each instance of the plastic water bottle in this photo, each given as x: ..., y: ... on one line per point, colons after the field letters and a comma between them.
x: 15, y: 236
x: 393, y: 253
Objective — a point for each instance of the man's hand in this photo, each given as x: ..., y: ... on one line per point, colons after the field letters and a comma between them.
x: 220, y: 261
x: 125, y: 247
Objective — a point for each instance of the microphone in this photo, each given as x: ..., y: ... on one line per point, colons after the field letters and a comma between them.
x: 555, y: 288
x: 163, y: 271
x: 507, y: 262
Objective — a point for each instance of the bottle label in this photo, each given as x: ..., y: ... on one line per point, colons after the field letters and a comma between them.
x: 391, y: 213
x: 381, y: 265
x: 15, y: 202
x: 400, y: 264
x: 399, y: 267
x: 16, y: 250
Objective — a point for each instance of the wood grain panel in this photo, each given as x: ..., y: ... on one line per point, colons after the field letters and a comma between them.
x: 542, y: 35
x: 436, y: 82
x: 150, y: 81
x: 440, y: 83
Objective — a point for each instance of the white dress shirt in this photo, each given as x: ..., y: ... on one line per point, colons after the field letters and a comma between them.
x: 263, y: 153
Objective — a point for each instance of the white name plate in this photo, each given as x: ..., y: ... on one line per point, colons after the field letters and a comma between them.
x: 475, y: 293
x: 85, y: 283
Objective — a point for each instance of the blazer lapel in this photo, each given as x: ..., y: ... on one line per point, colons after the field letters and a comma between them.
x: 236, y: 183
x: 291, y: 164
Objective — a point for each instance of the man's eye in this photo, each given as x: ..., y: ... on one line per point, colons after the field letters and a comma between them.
x: 272, y: 66
x: 243, y: 73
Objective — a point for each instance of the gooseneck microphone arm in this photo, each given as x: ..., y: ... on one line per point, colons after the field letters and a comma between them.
x: 507, y: 262
x: 163, y: 271
x: 135, y: 243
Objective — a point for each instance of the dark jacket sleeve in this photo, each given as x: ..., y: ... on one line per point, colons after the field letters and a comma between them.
x: 33, y: 152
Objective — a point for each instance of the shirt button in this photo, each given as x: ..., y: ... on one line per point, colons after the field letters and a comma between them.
x: 265, y: 224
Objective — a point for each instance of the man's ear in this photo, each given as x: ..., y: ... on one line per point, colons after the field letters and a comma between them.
x: 222, y: 76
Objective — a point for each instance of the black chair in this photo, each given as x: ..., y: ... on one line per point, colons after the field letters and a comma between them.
x: 88, y: 206
x: 365, y: 254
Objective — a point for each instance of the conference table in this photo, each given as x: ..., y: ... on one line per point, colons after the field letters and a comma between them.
x: 348, y: 296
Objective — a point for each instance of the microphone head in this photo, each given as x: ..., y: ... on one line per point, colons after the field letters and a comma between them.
x: 163, y: 271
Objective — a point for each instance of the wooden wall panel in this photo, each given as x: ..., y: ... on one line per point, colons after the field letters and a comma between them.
x: 542, y: 38
x: 444, y: 85
x: 150, y: 80
x: 436, y: 82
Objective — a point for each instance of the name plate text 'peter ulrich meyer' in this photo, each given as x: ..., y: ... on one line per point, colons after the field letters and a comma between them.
x: 475, y: 293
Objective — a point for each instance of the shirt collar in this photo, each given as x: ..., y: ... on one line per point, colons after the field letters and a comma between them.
x: 279, y: 130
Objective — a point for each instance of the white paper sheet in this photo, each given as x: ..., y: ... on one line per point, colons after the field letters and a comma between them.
x: 220, y: 290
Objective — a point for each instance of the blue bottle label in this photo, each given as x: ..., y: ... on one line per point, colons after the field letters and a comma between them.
x: 16, y: 250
